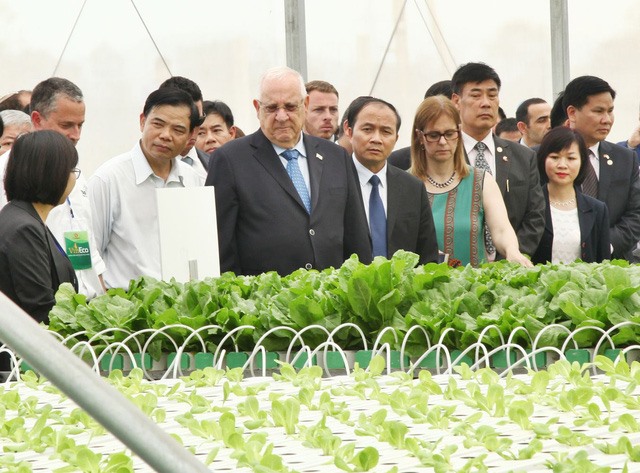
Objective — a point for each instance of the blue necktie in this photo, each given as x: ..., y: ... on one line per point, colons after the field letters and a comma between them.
x: 291, y: 155
x: 377, y: 219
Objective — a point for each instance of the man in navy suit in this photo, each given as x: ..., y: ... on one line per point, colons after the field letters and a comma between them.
x: 285, y: 200
x: 588, y: 101
x: 406, y: 214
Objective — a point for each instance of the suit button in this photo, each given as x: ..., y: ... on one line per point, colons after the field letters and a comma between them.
x: 308, y: 265
x: 312, y: 232
x: 584, y: 245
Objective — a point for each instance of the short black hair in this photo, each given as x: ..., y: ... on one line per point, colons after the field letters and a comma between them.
x: 345, y: 115
x: 508, y: 124
x: 217, y: 107
x: 174, y: 97
x: 522, y: 113
x: 442, y: 87
x: 1, y: 126
x: 558, y: 115
x: 474, y: 72
x: 182, y: 83
x: 46, y: 93
x: 578, y: 91
x: 355, y: 109
x: 556, y: 140
x: 39, y: 167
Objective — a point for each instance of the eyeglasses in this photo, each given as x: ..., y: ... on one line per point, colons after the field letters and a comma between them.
x: 287, y: 107
x: 76, y: 171
x: 434, y: 136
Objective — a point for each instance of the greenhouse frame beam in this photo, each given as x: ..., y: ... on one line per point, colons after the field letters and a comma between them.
x: 88, y: 390
x: 559, y: 23
x: 296, y: 36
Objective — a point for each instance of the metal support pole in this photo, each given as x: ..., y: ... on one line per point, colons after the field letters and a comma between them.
x: 559, y: 12
x: 99, y: 399
x: 296, y: 36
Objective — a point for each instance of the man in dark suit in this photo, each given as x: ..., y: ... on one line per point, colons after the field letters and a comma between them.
x: 588, y: 101
x: 285, y: 200
x: 476, y: 88
x: 395, y: 203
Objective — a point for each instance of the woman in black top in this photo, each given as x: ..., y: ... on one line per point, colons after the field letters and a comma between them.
x: 40, y: 175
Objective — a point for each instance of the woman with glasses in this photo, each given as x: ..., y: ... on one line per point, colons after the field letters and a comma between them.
x: 462, y: 197
x: 576, y: 225
x: 40, y: 175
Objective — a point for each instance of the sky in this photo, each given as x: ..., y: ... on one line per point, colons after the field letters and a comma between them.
x: 225, y: 46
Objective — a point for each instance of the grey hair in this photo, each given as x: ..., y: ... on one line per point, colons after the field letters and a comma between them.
x: 47, y: 92
x: 14, y: 117
x: 279, y: 73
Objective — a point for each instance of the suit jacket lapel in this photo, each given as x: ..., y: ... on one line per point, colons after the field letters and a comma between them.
x: 393, y: 200
x: 267, y: 157
x: 586, y: 216
x: 604, y: 179
x: 316, y: 164
x: 503, y: 159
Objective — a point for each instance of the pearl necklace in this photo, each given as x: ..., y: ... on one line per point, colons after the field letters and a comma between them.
x: 441, y: 185
x: 564, y: 203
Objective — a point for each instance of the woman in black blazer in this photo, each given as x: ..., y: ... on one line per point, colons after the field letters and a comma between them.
x: 577, y: 226
x: 40, y: 175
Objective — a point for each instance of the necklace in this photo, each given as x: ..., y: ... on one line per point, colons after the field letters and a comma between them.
x: 564, y: 203
x: 441, y: 185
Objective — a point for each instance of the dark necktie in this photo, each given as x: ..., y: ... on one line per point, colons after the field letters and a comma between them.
x: 590, y: 183
x: 483, y: 165
x: 377, y: 219
x: 291, y: 155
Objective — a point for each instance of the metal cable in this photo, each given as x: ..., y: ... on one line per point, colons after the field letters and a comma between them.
x: 151, y: 37
x: 55, y: 69
x: 395, y: 28
x: 446, y: 45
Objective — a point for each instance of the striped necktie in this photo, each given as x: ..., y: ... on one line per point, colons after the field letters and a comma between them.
x: 293, y: 169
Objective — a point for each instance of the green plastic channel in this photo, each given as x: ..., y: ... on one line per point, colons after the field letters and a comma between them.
x: 107, y: 365
x: 203, y: 360
x: 185, y: 360
x: 147, y: 360
x: 581, y: 355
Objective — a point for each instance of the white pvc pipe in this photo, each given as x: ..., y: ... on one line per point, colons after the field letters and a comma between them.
x: 87, y: 389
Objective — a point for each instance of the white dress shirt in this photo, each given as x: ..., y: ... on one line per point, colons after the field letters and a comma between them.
x: 125, y: 214
x: 73, y: 214
x: 595, y: 159
x: 364, y: 175
x: 489, y: 153
x: 197, y: 164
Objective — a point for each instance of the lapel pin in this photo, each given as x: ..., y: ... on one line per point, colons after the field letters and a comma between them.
x: 606, y: 156
x: 499, y: 149
x: 319, y: 156
x: 505, y: 159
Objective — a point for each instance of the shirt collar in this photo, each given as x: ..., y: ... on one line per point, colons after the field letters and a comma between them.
x: 470, y: 143
x: 142, y: 170
x: 595, y: 148
x: 299, y: 146
x: 365, y: 174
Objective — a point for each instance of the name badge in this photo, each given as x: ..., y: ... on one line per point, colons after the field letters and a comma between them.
x: 77, y: 246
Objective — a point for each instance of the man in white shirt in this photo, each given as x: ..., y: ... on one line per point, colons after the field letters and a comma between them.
x: 476, y: 90
x: 195, y: 158
x: 57, y: 104
x: 123, y: 190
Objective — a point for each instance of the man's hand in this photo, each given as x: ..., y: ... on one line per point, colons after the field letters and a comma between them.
x: 634, y: 139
